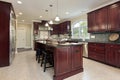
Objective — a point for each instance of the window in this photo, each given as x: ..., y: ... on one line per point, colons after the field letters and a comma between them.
x: 79, y: 30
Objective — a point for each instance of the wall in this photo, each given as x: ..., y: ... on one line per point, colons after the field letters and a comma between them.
x: 79, y: 18
x: 103, y: 37
x: 28, y: 28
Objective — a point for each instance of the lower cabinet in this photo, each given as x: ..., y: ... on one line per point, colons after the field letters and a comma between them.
x: 63, y: 60
x: 96, y: 51
x: 76, y: 53
x: 68, y: 61
x: 112, y: 56
x: 106, y: 53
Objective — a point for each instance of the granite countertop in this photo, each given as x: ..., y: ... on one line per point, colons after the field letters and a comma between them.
x: 105, y: 42
x: 61, y: 44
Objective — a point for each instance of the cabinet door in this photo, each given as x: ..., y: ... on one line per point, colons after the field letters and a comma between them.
x: 114, y: 17
x: 4, y: 34
x: 101, y: 20
x: 62, y: 60
x: 118, y: 55
x: 65, y: 27
x: 91, y: 22
x: 55, y: 29
x: 35, y: 28
x: 77, y: 57
x: 110, y: 55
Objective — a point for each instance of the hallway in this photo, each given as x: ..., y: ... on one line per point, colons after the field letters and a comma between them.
x: 25, y: 67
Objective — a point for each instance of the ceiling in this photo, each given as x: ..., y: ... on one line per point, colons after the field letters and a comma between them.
x: 33, y: 9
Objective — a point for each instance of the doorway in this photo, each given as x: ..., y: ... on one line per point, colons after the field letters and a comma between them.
x: 21, y: 37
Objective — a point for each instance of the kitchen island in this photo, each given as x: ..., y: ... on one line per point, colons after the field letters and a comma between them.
x: 67, y: 58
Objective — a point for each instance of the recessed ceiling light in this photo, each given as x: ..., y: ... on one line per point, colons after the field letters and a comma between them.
x: 19, y: 2
x: 40, y: 16
x: 67, y: 13
x: 20, y: 13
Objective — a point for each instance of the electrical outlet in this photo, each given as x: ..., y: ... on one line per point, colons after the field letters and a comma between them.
x: 93, y: 36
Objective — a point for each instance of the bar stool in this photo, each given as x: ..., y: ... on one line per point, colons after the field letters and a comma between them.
x: 38, y: 55
x: 47, y: 58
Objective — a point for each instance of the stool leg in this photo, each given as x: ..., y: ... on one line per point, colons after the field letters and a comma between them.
x: 42, y: 60
x: 38, y: 58
x: 45, y: 58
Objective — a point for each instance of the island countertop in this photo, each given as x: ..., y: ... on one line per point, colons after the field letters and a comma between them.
x: 61, y: 44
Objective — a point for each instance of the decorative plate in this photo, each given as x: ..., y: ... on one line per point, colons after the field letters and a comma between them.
x: 113, y: 37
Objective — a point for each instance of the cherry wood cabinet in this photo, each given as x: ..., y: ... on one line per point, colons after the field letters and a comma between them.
x: 7, y: 33
x: 112, y: 54
x: 105, y: 19
x: 56, y: 29
x: 65, y: 27
x: 77, y: 61
x: 91, y: 22
x: 114, y: 17
x: 63, y: 60
x: 68, y: 61
x: 96, y: 51
x: 36, y: 26
x: 97, y: 21
x: 105, y: 52
x: 101, y: 20
x: 62, y: 28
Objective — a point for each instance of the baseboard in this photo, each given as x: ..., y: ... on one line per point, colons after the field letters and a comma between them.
x: 28, y: 47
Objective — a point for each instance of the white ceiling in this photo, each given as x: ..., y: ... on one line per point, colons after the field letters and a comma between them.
x: 33, y: 9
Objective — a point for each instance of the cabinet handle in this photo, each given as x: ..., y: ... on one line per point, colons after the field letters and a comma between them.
x: 77, y: 51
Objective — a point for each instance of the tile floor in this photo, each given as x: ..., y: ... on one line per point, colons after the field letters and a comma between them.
x: 25, y: 67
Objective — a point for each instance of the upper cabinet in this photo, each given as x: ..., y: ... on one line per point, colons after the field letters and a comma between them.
x: 101, y: 20
x: 36, y: 26
x: 105, y: 19
x: 55, y: 29
x: 114, y: 17
x: 62, y: 28
x: 65, y: 27
x: 91, y: 22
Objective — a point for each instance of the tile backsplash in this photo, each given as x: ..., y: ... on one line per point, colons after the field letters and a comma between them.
x: 103, y: 37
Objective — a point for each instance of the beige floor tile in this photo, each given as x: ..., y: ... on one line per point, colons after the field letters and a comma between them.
x: 25, y: 67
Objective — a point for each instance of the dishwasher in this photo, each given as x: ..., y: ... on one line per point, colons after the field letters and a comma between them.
x: 85, y: 50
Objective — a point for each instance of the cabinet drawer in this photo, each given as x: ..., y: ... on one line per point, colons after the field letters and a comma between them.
x: 94, y: 44
x: 96, y: 50
x: 98, y: 57
x: 111, y: 46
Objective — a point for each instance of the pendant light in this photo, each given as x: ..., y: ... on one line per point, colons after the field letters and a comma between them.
x: 51, y: 22
x: 57, y: 17
x: 46, y: 24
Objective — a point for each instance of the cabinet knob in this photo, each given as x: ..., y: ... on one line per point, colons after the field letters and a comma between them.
x: 111, y: 46
x: 119, y: 51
